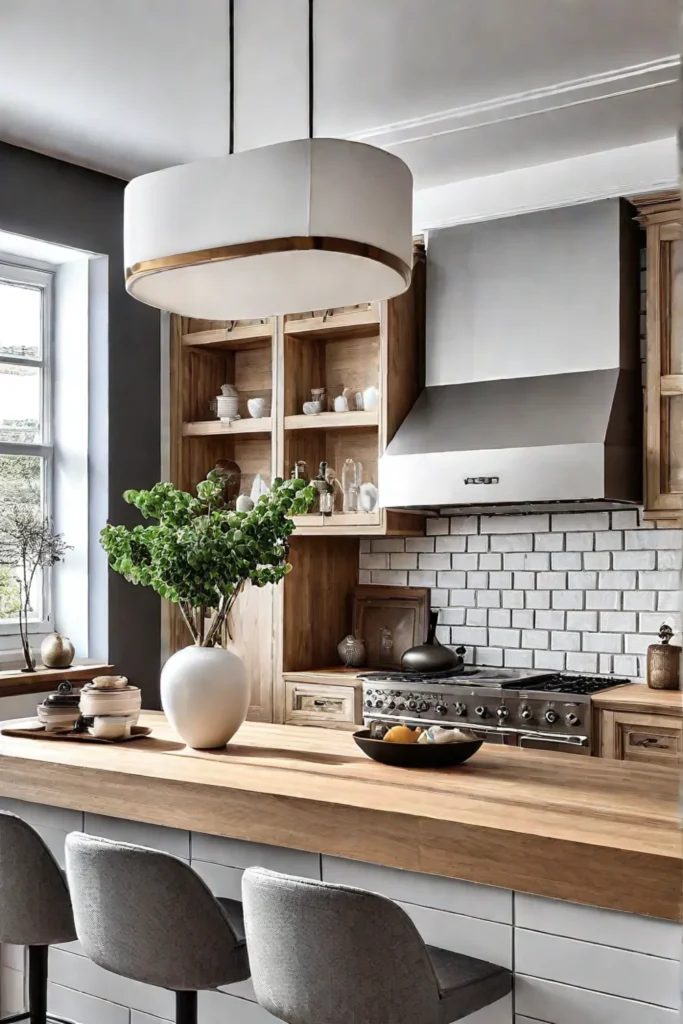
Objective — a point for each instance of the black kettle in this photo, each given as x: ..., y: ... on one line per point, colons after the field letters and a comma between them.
x: 433, y: 656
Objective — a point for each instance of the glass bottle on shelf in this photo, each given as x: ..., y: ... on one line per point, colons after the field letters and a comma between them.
x: 352, y: 475
x: 325, y: 491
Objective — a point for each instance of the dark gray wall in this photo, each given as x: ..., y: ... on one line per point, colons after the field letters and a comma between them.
x: 68, y: 205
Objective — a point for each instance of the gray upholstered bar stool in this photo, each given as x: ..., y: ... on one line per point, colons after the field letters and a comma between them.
x: 146, y: 915
x: 329, y: 954
x: 35, y: 909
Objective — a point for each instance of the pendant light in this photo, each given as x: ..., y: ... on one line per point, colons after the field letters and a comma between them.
x: 308, y: 224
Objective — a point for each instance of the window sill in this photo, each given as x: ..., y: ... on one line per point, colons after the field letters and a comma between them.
x: 14, y: 682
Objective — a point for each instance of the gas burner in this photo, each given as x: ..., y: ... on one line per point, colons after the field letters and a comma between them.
x: 469, y: 675
x: 582, y: 685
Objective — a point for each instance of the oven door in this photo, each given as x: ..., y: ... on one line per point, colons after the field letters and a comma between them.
x: 568, y: 745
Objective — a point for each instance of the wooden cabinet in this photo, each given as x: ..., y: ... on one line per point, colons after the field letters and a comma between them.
x: 296, y: 627
x: 659, y: 215
x: 635, y: 723
x: 331, y: 700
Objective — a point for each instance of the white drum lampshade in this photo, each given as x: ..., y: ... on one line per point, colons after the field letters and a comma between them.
x: 301, y: 225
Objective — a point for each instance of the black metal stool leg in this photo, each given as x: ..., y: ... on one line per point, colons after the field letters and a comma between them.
x: 37, y: 984
x: 185, y: 1008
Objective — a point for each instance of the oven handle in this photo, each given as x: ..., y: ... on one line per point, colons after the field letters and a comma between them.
x: 570, y: 739
x: 573, y: 740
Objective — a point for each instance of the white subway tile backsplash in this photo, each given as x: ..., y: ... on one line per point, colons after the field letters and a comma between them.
x: 597, y: 559
x: 618, y: 622
x: 515, y: 524
x: 582, y: 662
x: 670, y: 580
x: 554, y: 661
x: 606, y: 643
x: 466, y: 562
x: 512, y: 542
x: 435, y: 527
x: 519, y: 659
x: 669, y: 540
x: 617, y: 580
x: 634, y: 560
x: 550, y: 619
x: 442, y: 560
x: 549, y: 542
x: 582, y: 580
x: 463, y: 524
x: 456, y: 542
x: 639, y: 600
x: 611, y: 540
x: 536, y: 639
x: 475, y: 542
x: 603, y: 600
x: 551, y: 580
x: 564, y: 560
x: 567, y: 599
x: 500, y: 617
x: 582, y: 621
x: 504, y: 637
x: 421, y: 578
x: 585, y: 591
x: 566, y: 522
x: 420, y: 543
x: 579, y: 541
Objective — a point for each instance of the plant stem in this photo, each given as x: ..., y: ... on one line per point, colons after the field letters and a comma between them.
x: 188, y: 620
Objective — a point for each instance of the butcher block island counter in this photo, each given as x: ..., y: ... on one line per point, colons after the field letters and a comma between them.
x: 567, y: 868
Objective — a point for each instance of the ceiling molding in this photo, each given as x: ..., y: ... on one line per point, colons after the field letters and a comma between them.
x: 575, y: 92
x: 627, y: 171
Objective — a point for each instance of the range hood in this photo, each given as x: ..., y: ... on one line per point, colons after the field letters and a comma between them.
x: 533, y: 395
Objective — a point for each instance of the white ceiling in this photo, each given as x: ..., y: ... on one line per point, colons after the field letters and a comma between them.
x: 458, y: 88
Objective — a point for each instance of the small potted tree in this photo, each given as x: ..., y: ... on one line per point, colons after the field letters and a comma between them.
x: 201, y: 555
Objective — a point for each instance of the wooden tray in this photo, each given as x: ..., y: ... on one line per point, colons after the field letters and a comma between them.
x: 390, y: 620
x: 37, y: 732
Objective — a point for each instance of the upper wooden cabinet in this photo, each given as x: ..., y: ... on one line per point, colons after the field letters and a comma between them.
x: 659, y: 215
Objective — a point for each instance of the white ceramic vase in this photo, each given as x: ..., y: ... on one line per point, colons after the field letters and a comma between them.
x: 205, y: 695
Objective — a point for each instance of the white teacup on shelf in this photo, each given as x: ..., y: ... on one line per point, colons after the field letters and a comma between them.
x: 370, y: 398
x: 311, y: 408
x: 341, y: 404
x: 257, y: 407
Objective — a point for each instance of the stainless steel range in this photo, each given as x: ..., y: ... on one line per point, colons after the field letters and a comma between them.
x: 517, y: 707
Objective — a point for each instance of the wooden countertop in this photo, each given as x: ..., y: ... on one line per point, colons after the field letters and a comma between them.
x: 575, y: 828
x: 640, y: 698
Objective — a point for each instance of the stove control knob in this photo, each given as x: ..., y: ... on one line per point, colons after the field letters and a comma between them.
x: 424, y: 705
x: 401, y: 706
x: 481, y: 711
x: 379, y: 703
x: 441, y: 709
x: 572, y: 719
x: 368, y: 703
x: 460, y: 708
x: 503, y: 713
x: 412, y: 705
x: 391, y: 705
x: 526, y: 713
x: 551, y: 716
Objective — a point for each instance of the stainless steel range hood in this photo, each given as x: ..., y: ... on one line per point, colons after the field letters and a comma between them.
x: 533, y: 392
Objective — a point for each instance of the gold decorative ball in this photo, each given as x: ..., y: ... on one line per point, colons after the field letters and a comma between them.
x: 57, y: 651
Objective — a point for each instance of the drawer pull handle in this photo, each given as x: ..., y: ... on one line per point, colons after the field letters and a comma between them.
x: 640, y: 740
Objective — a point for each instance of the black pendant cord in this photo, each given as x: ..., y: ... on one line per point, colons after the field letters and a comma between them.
x: 311, y: 62
x: 231, y: 45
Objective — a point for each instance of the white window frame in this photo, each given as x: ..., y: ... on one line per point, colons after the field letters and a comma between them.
x: 36, y: 275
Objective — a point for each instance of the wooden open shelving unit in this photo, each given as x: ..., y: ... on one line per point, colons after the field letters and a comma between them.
x: 296, y: 628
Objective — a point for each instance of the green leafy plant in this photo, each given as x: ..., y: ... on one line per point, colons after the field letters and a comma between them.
x: 201, y: 554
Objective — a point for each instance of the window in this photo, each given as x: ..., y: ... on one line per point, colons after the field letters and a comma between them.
x: 26, y: 428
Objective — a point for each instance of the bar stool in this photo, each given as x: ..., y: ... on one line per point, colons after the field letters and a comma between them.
x: 329, y: 953
x: 146, y: 915
x: 35, y: 908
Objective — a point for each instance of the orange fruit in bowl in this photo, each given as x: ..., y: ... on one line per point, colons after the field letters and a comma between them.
x: 402, y: 734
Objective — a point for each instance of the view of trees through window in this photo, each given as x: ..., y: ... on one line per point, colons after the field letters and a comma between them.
x: 24, y: 386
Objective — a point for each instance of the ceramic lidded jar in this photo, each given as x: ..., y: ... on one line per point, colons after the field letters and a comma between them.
x: 352, y: 651
x: 227, y: 403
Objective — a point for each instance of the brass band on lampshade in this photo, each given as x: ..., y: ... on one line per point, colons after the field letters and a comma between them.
x: 265, y: 247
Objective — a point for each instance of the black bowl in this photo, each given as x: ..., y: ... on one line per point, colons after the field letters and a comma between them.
x: 416, y: 755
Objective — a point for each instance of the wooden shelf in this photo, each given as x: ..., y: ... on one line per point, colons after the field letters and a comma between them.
x: 347, y: 324
x: 336, y: 674
x: 333, y: 420
x: 15, y: 682
x: 214, y: 428
x: 242, y: 336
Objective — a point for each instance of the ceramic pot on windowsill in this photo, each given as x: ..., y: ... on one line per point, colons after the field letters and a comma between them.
x: 205, y: 695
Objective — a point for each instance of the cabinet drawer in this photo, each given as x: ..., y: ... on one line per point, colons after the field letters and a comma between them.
x: 322, y: 704
x: 653, y: 739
